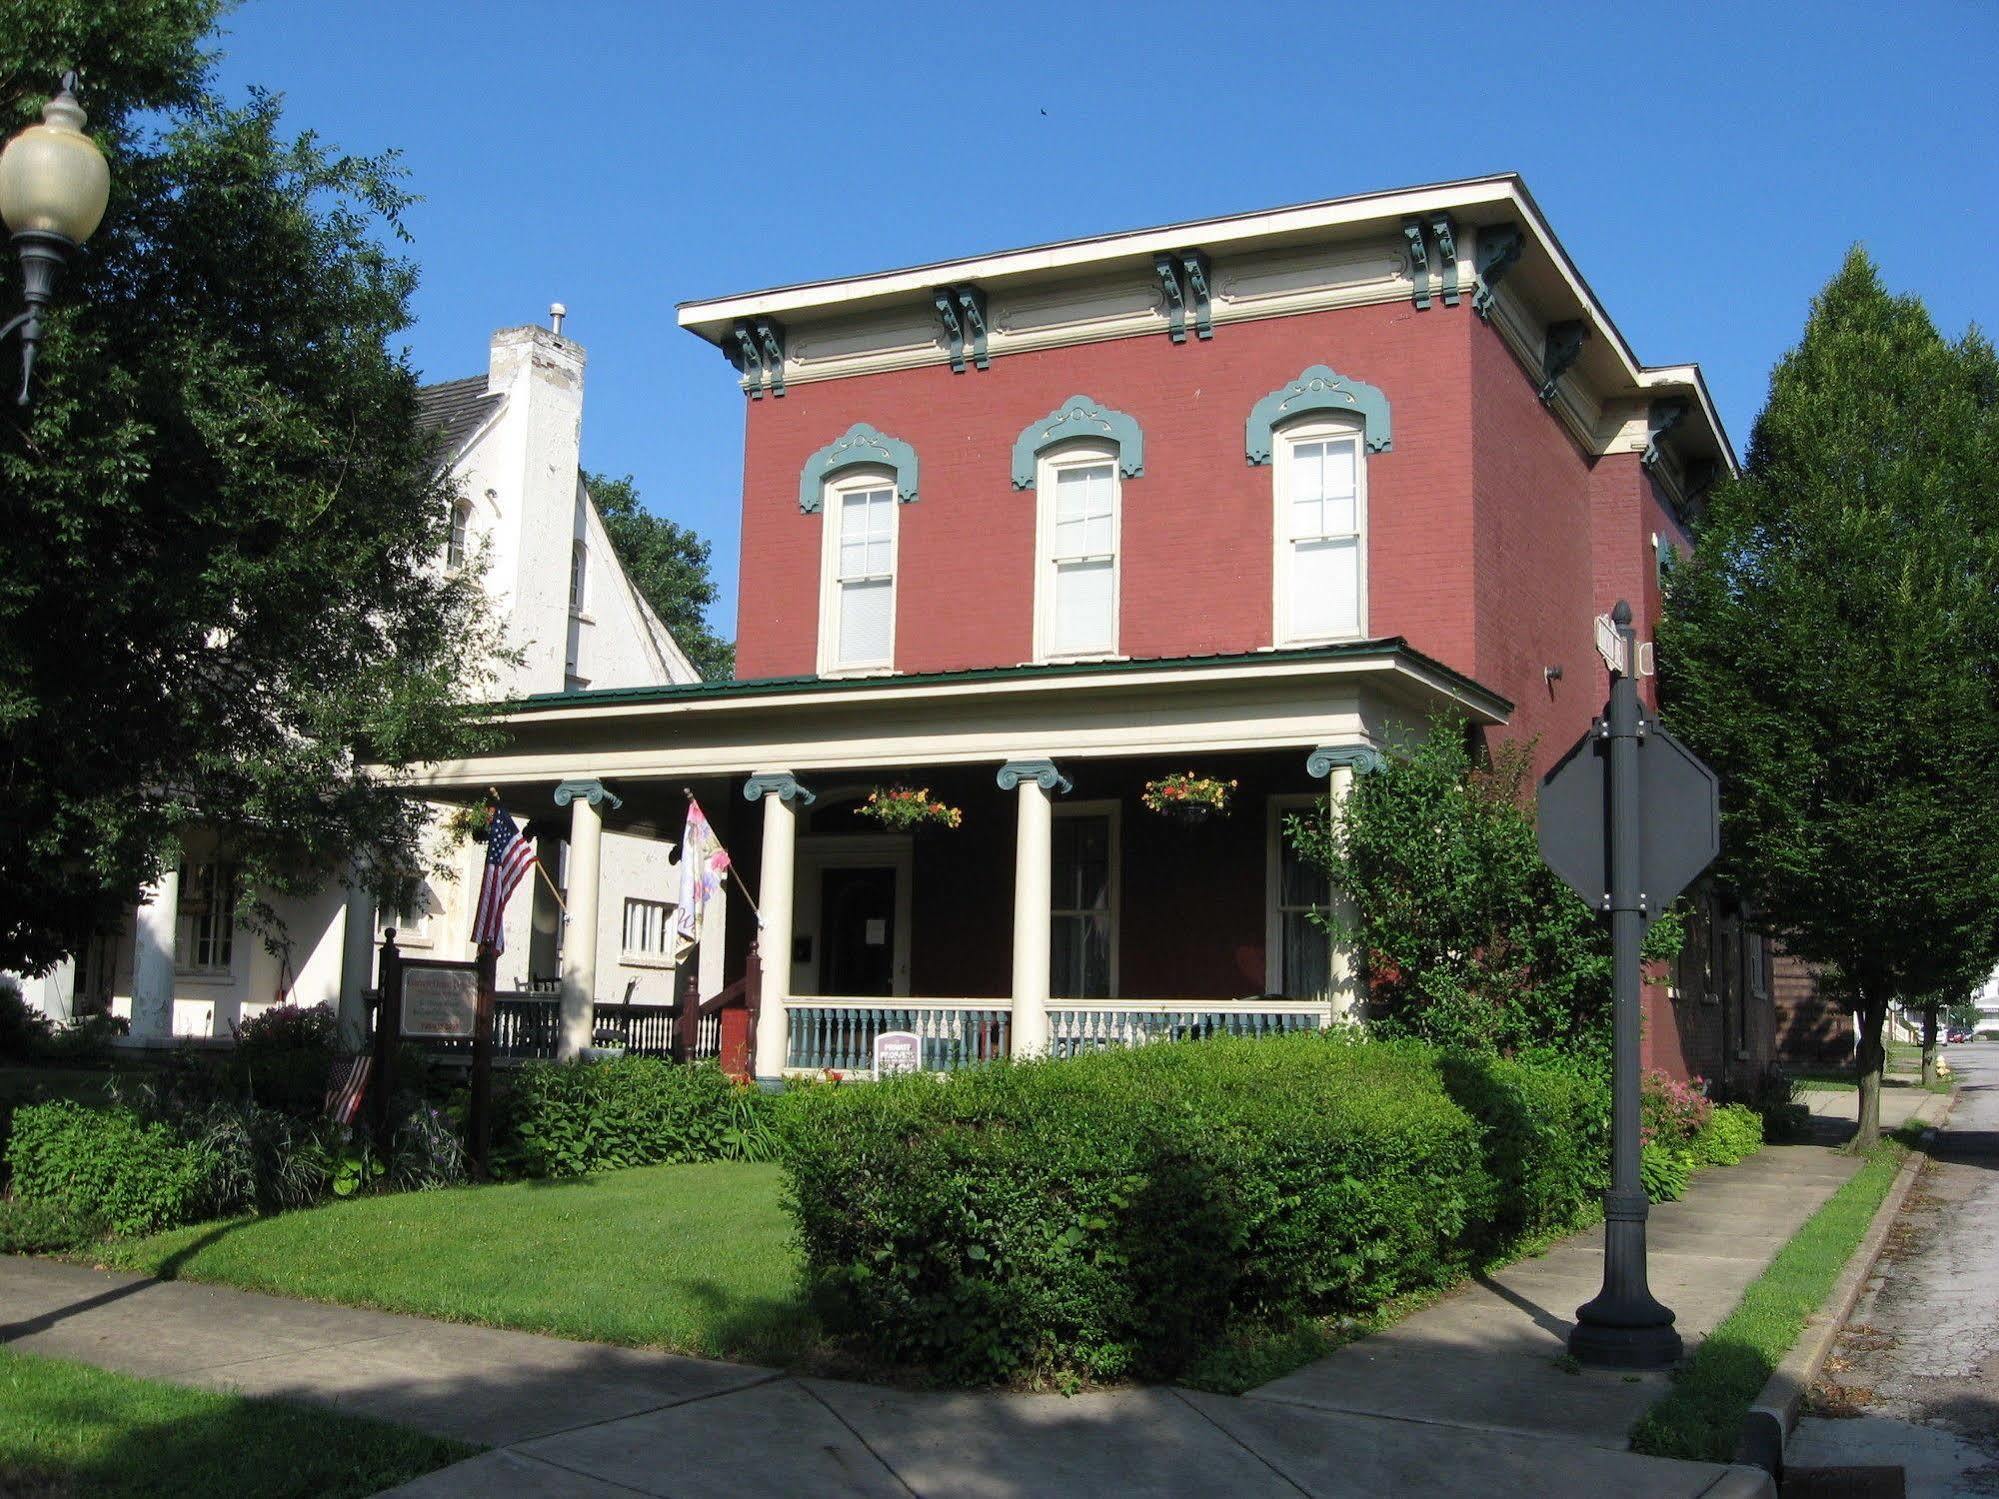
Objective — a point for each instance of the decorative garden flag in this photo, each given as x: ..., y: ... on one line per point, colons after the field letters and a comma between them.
x: 703, y: 865
x: 345, y: 1087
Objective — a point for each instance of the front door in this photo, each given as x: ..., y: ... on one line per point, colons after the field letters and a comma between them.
x: 857, y: 932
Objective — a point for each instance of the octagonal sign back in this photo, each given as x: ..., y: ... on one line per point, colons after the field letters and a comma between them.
x: 1679, y: 818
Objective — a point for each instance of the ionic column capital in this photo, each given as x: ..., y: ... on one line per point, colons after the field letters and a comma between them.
x: 1042, y: 772
x: 592, y: 790
x: 1359, y: 758
x: 779, y: 783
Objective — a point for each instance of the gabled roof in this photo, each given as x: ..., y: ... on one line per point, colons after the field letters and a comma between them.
x: 457, y: 409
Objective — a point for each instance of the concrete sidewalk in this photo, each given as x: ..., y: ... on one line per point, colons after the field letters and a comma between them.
x: 1464, y: 1397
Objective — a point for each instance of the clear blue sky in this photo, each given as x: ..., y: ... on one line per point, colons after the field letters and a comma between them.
x: 1706, y: 165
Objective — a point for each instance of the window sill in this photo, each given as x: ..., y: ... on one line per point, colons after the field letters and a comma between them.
x: 1304, y: 641
x: 583, y: 616
x: 842, y: 673
x: 215, y: 978
x: 646, y: 960
x: 1081, y: 658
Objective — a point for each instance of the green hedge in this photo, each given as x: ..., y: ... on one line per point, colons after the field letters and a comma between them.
x: 1111, y: 1215
x: 132, y: 1175
x: 562, y: 1119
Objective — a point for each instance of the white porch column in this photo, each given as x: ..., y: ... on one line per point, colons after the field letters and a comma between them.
x: 781, y: 796
x: 1339, y: 764
x: 1033, y: 856
x: 153, y: 959
x: 584, y: 797
x: 357, y: 963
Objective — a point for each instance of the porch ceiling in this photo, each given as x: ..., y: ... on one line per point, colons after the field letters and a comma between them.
x: 1358, y: 693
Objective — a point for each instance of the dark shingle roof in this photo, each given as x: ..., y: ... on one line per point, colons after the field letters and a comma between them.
x: 457, y: 409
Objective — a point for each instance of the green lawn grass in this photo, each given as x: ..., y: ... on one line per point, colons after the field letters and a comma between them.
x: 1700, y: 1417
x: 696, y: 1259
x: 68, y: 1429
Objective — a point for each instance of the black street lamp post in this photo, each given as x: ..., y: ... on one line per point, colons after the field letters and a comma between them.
x: 53, y: 187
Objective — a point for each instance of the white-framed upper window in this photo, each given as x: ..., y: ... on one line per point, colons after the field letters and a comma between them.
x: 648, y: 930
x: 1076, y: 576
x: 1298, y: 952
x: 457, y: 547
x: 857, y: 579
x: 1319, y: 494
x: 205, y: 929
x: 412, y: 923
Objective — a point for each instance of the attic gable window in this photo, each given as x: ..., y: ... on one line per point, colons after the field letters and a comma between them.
x: 461, y: 525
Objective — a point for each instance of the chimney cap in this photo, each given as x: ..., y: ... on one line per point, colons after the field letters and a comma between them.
x: 556, y: 313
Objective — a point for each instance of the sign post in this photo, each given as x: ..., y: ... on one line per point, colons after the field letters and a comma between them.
x: 1627, y: 818
x: 429, y: 999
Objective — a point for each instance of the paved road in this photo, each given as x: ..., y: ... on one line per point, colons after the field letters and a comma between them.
x: 1915, y: 1378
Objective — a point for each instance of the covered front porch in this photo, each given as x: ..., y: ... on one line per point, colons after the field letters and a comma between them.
x: 1061, y: 915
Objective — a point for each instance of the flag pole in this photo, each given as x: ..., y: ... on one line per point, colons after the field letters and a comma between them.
x: 741, y: 888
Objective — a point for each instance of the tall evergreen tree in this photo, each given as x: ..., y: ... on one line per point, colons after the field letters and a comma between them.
x: 222, y: 513
x: 1832, y: 649
x: 668, y: 564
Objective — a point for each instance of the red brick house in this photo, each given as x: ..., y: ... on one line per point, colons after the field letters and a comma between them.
x: 1251, y: 496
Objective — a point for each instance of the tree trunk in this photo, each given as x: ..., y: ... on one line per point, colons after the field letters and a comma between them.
x: 1929, y: 1045
x: 1868, y: 1069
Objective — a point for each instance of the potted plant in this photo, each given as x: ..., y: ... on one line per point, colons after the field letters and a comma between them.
x: 903, y: 809
x: 1189, y: 798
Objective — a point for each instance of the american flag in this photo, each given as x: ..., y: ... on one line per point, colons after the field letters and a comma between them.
x: 345, y: 1087
x: 509, y: 857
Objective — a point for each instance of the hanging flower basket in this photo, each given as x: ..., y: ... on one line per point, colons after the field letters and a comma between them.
x: 902, y: 809
x: 1188, y: 798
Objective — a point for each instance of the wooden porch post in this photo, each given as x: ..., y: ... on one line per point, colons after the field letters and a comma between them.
x: 585, y: 797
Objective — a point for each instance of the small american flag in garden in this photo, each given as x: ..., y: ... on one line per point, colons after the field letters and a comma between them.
x: 509, y: 857
x: 345, y: 1087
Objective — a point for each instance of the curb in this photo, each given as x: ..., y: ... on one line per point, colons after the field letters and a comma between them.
x: 1775, y: 1414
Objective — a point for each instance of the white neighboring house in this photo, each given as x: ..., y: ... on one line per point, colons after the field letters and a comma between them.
x: 178, y: 967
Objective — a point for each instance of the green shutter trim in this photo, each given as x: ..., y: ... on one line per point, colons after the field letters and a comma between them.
x: 861, y: 444
x: 1079, y: 416
x: 1318, y: 389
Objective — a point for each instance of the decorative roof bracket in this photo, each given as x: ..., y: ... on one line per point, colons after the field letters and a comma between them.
x: 1564, y: 344
x: 759, y: 355
x: 1663, y: 416
x: 954, y: 331
x: 972, y: 305
x: 1176, y: 301
x: 962, y: 310
x: 1194, y: 263
x: 1498, y: 249
x: 1419, y: 262
x: 1447, y: 254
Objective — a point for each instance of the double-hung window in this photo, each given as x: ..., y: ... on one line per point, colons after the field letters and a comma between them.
x: 857, y: 622
x: 1078, y: 609
x: 1320, y: 531
x: 204, y: 935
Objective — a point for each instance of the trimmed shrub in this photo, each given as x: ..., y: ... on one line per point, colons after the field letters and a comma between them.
x: 565, y: 1119
x: 1733, y: 1133
x: 1544, y: 1123
x: 1111, y: 1214
x: 45, y: 1227
x: 283, y: 1058
x: 137, y: 1175
x: 1671, y: 1112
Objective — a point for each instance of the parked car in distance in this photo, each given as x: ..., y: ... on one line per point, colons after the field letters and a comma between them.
x: 1953, y: 1037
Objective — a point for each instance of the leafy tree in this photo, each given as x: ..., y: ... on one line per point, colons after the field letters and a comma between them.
x: 1829, y: 650
x: 668, y: 564
x: 1963, y: 1014
x: 1469, y: 940
x: 221, y: 512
